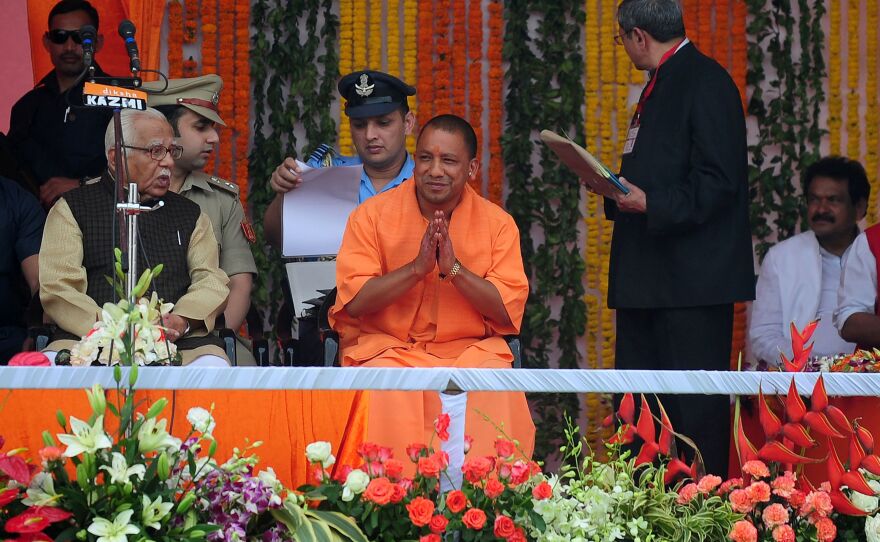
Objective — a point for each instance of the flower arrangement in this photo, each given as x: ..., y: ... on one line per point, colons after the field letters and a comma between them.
x: 495, y: 501
x: 143, y: 483
x: 127, y: 333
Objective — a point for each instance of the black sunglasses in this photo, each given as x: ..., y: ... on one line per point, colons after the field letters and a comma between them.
x: 59, y: 36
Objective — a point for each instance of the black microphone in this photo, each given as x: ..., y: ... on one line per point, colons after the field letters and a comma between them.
x: 126, y: 31
x: 88, y: 35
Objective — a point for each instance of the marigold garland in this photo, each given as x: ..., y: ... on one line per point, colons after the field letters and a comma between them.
x: 410, y: 17
x: 424, y: 82
x: 393, y: 54
x: 190, y: 67
x: 443, y: 54
x: 242, y: 97
x: 721, y: 36
x: 374, y: 50
x: 704, y: 27
x: 496, y: 100
x: 359, y: 30
x: 873, y: 107
x: 190, y: 23
x: 175, y: 39
x: 835, y: 101
x: 209, y: 36
x: 226, y: 70
x: 475, y: 75
x: 853, y: 99
x: 346, y: 65
x: 458, y: 59
x: 691, y: 12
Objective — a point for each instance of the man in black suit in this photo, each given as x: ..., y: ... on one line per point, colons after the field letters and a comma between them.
x: 681, y: 252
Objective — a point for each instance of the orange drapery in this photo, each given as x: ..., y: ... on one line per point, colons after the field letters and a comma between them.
x: 145, y: 14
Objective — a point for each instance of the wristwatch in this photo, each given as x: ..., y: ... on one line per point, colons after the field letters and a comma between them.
x: 186, y: 329
x: 456, y: 267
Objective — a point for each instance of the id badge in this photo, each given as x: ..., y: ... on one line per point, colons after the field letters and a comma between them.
x: 630, y: 139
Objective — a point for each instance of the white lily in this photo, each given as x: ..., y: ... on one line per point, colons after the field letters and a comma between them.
x: 41, y: 491
x: 152, y: 437
x: 154, y: 511
x: 116, y: 530
x: 85, y: 438
x: 120, y: 472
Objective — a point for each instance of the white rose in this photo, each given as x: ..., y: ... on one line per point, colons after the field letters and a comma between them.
x: 355, y: 484
x: 201, y: 420
x: 318, y: 452
x: 872, y: 528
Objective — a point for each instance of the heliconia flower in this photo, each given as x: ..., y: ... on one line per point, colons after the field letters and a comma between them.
x: 797, y: 433
x: 769, y: 421
x: 866, y: 439
x: 645, y: 426
x: 843, y: 505
x: 627, y: 409
x: 666, y: 443
x: 794, y: 405
x: 85, y: 438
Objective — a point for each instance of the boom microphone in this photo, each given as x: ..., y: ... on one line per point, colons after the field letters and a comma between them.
x: 126, y: 31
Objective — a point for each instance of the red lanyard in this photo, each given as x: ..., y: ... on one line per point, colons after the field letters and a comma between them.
x: 650, y: 88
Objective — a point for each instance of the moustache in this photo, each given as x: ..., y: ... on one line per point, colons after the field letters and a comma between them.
x: 826, y: 218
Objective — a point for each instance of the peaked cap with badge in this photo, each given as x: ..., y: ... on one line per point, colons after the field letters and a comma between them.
x: 199, y: 94
x: 370, y: 93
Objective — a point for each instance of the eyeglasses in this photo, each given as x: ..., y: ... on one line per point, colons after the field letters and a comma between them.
x: 618, y: 38
x: 158, y: 152
x: 59, y: 36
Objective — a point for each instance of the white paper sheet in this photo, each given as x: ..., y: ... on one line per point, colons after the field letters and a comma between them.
x: 306, y: 278
x: 314, y: 214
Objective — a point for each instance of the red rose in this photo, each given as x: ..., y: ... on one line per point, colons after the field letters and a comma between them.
x: 430, y: 538
x: 341, y: 473
x: 441, y: 426
x: 368, y: 451
x: 415, y: 450
x: 456, y: 501
x: 504, y: 527
x: 442, y: 458
x: 474, y: 519
x: 393, y: 469
x: 438, y: 524
x: 518, y: 536
x: 429, y: 467
x: 494, y: 488
x: 420, y: 511
x: 398, y: 494
x: 542, y: 491
x: 476, y: 469
x: 379, y: 491
x: 504, y: 448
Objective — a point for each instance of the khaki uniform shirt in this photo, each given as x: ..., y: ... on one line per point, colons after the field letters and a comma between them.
x: 63, y: 280
x: 219, y: 200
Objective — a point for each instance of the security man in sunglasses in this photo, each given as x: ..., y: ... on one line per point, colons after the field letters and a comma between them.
x: 61, y: 145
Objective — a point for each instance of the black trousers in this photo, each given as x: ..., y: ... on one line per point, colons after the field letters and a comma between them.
x: 690, y: 338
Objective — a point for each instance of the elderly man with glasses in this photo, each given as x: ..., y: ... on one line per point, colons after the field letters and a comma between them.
x: 59, y: 143
x: 83, y: 228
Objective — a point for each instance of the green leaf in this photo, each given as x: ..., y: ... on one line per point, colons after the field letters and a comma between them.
x: 341, y: 523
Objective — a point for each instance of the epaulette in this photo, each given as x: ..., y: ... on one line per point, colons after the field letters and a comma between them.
x: 224, y: 184
x: 323, y: 155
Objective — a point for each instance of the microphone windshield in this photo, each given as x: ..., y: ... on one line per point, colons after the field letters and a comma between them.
x: 126, y: 29
x: 88, y: 32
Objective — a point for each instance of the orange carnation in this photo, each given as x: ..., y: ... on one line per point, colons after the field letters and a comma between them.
x: 743, y: 531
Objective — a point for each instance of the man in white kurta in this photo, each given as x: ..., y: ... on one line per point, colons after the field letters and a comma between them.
x: 801, y: 275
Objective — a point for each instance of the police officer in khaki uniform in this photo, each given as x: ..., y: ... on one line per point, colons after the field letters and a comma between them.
x: 191, y: 107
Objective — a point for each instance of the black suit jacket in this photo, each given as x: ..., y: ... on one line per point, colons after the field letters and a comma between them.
x: 693, y: 246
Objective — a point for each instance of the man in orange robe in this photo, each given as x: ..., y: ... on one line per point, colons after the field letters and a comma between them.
x: 431, y: 275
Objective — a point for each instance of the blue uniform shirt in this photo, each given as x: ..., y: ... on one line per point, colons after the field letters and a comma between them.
x: 366, y: 191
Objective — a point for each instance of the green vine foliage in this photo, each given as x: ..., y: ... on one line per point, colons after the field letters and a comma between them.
x: 786, y: 106
x: 294, y: 68
x: 546, y: 90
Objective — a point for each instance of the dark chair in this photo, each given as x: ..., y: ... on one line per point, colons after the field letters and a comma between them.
x: 331, y: 337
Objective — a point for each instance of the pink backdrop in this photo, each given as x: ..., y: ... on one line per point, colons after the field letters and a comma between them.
x: 15, y: 63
